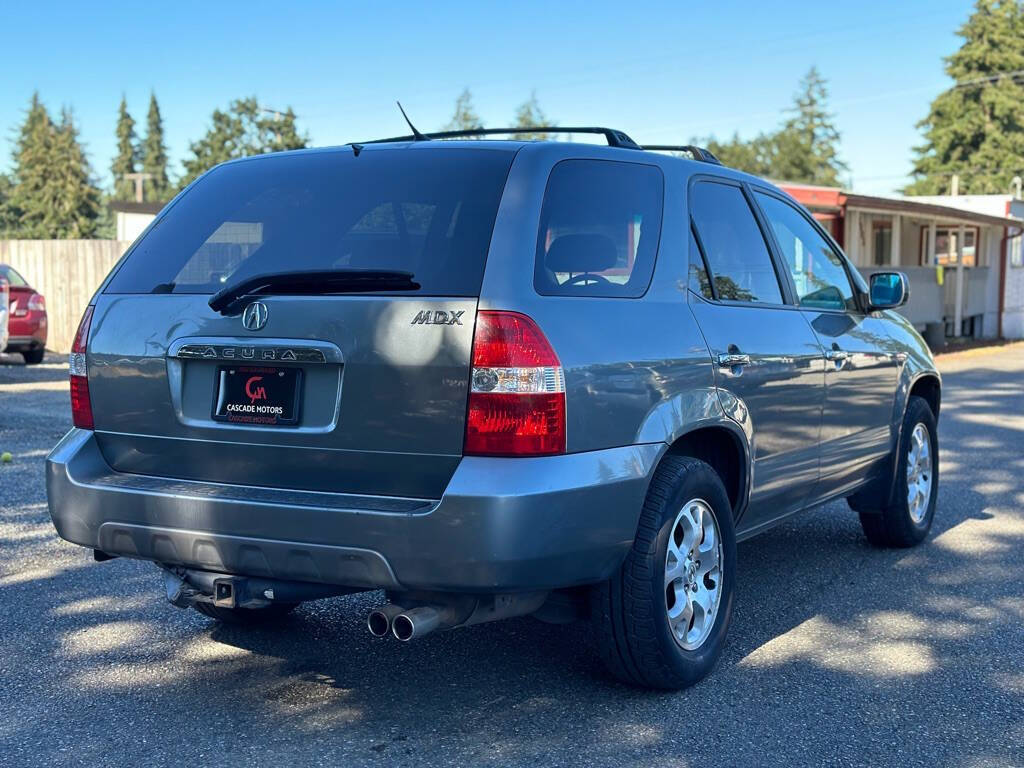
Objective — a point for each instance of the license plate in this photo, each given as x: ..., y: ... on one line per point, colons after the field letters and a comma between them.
x: 257, y: 394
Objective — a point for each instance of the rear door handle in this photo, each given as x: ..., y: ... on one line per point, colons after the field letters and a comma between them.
x: 731, y: 359
x: 837, y: 355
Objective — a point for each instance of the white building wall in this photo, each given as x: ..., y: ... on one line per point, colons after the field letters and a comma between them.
x: 1013, y: 301
x: 991, y: 247
x: 130, y: 224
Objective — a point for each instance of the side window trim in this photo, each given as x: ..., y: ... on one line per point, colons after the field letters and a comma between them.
x: 782, y: 276
x: 777, y: 251
x: 703, y: 260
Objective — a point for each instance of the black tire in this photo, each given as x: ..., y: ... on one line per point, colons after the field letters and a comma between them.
x: 629, y: 612
x: 893, y: 525
x: 246, y: 616
x: 33, y: 356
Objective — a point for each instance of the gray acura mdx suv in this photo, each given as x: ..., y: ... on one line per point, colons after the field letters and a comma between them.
x: 491, y: 378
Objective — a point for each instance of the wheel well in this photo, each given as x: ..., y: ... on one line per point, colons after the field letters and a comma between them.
x: 722, y: 450
x: 929, y: 388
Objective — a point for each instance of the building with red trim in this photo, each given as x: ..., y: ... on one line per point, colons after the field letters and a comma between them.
x: 962, y: 255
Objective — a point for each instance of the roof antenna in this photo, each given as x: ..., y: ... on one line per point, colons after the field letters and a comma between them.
x: 416, y: 134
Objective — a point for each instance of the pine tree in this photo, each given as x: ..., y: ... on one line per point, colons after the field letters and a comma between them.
x: 53, y: 194
x: 7, y: 217
x: 29, y: 205
x: 806, y: 149
x: 976, y: 128
x: 127, y: 157
x: 77, y: 199
x: 245, y: 129
x: 530, y: 115
x: 464, y: 118
x: 154, y: 155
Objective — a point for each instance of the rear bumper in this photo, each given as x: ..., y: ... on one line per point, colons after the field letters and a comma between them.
x: 27, y: 332
x: 502, y: 524
x: 25, y: 343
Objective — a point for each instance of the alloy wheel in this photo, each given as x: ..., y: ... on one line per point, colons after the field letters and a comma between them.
x: 693, y: 574
x: 919, y: 472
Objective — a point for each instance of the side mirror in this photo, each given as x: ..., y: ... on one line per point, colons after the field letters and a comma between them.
x: 888, y: 290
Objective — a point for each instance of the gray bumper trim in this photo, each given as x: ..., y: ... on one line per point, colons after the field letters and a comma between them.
x: 502, y: 524
x: 285, y: 560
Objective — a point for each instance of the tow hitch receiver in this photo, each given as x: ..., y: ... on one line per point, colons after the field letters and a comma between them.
x: 225, y: 592
x: 186, y: 586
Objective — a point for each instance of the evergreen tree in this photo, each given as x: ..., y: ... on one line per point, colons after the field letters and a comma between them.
x: 530, y: 115
x: 464, y: 118
x: 76, y: 198
x: 754, y: 156
x: 7, y: 216
x: 127, y: 158
x: 245, y: 129
x: 29, y: 206
x: 976, y: 128
x: 53, y: 194
x: 805, y: 148
x: 154, y: 155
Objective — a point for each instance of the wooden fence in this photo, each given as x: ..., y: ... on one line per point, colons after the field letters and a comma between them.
x: 67, y: 273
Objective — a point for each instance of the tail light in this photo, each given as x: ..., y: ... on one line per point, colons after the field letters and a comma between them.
x: 36, y: 303
x: 517, y: 390
x: 81, y: 406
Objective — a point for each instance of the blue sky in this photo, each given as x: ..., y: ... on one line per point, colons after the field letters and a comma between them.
x: 662, y: 72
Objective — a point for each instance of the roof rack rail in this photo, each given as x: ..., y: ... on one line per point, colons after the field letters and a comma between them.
x: 614, y: 138
x: 697, y: 153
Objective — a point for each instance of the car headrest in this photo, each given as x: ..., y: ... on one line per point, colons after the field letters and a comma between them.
x: 581, y: 253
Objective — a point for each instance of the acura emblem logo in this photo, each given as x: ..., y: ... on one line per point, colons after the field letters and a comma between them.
x: 255, y: 316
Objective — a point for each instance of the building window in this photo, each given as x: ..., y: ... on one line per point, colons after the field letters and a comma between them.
x: 946, y: 246
x: 1015, y: 247
x: 882, y: 245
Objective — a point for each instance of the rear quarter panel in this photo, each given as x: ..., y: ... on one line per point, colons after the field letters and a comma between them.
x: 637, y: 370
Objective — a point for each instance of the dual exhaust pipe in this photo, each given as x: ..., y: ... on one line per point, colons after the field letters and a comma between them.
x: 441, y: 611
x: 405, y: 624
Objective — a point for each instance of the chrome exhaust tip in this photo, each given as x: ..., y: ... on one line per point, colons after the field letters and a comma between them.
x: 418, y: 622
x: 379, y: 620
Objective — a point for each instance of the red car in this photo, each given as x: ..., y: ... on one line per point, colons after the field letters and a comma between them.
x: 27, y: 318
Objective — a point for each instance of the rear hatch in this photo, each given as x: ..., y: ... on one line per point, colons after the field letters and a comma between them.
x: 355, y: 388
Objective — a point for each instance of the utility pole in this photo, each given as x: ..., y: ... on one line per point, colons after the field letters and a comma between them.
x: 138, y: 178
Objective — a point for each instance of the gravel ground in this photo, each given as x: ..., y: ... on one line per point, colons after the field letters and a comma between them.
x: 839, y: 654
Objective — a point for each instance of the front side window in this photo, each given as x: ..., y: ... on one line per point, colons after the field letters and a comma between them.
x: 733, y: 247
x: 817, y: 270
x: 599, y: 229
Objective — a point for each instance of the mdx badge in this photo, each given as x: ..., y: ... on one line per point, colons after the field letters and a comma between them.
x: 438, y: 317
x: 255, y: 316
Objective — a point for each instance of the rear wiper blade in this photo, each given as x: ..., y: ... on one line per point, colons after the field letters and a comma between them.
x: 230, y: 300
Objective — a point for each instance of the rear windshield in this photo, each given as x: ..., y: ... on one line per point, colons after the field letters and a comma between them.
x: 426, y: 212
x: 599, y: 229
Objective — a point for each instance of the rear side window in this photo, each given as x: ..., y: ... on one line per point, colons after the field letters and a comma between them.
x: 698, y: 279
x: 733, y: 246
x: 429, y: 212
x: 599, y: 229
x: 13, y: 277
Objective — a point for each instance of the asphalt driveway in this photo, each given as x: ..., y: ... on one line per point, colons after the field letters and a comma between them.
x: 839, y: 654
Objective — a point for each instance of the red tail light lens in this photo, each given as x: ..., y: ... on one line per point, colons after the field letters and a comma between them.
x: 36, y: 303
x: 81, y: 406
x: 517, y: 390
